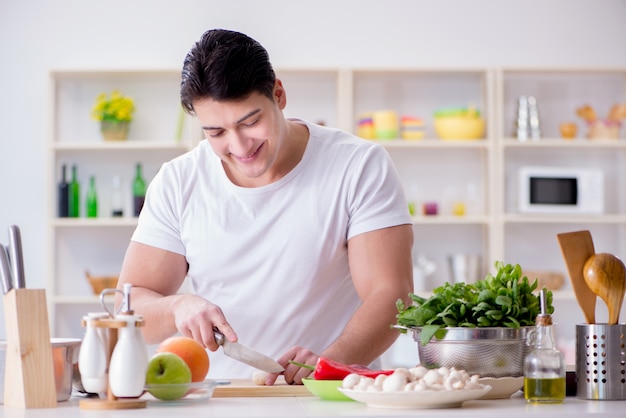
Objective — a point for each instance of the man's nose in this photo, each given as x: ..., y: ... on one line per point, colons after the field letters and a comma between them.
x: 240, y: 145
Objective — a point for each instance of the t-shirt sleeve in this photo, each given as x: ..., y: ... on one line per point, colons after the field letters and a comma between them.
x: 159, y: 221
x: 377, y: 199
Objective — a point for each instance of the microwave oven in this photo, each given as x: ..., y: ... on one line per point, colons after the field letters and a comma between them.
x: 560, y: 190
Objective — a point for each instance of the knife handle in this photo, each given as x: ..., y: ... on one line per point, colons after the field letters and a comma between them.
x: 5, y: 270
x: 17, y: 256
x: 219, y: 337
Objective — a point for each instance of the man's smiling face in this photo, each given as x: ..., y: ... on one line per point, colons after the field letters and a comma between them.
x: 247, y: 135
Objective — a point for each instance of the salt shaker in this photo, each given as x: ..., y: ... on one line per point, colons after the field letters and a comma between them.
x: 129, y: 361
x: 544, y: 367
x: 92, y: 357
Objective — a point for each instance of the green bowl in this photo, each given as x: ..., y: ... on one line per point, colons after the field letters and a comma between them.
x: 325, y: 389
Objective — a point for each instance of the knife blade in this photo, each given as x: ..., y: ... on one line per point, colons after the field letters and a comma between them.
x: 247, y: 355
x: 5, y: 270
x: 16, y: 256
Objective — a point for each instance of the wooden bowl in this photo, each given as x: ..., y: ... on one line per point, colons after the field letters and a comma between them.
x: 99, y: 283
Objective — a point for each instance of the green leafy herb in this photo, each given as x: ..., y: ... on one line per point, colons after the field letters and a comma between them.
x: 503, y: 300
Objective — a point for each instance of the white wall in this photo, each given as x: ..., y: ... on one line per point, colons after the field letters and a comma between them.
x: 37, y: 36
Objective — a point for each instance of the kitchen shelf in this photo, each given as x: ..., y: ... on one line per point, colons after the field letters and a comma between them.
x: 120, y: 146
x: 434, y: 143
x: 450, y: 219
x: 562, y: 143
x: 103, y: 222
x: 81, y: 300
x: 564, y: 219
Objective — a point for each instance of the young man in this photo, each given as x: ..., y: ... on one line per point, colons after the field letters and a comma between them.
x: 296, y: 237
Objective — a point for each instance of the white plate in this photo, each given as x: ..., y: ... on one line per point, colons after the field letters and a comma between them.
x: 503, y: 387
x: 416, y: 400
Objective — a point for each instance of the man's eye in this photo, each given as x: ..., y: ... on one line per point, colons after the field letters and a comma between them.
x: 215, y: 134
x: 252, y: 123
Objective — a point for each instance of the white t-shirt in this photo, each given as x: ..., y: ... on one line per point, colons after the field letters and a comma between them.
x: 274, y: 258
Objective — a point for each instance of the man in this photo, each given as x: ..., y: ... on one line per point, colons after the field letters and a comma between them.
x: 295, y: 237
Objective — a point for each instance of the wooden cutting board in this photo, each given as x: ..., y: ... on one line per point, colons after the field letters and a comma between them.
x: 246, y: 388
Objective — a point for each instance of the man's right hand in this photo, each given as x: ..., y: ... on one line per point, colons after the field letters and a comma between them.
x: 196, y: 317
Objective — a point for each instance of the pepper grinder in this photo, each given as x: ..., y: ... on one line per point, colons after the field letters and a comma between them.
x: 544, y: 366
x: 129, y: 360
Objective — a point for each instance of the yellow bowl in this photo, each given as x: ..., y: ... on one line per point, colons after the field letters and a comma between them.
x: 459, y: 127
x: 325, y: 389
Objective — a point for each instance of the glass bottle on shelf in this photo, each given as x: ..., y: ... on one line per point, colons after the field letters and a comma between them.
x: 63, y: 194
x: 92, y: 199
x: 74, y: 195
x: 117, y: 201
x: 139, y: 190
x: 544, y: 366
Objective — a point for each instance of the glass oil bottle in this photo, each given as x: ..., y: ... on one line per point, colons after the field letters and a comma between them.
x: 544, y: 366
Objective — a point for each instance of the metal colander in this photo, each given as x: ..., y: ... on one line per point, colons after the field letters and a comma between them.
x: 488, y: 352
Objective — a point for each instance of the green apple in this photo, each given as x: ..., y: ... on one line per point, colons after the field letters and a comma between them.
x: 169, y: 371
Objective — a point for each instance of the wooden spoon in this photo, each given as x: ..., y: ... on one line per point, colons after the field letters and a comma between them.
x: 576, y: 248
x: 605, y: 275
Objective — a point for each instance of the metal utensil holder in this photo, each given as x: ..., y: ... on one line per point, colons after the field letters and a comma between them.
x: 601, y: 361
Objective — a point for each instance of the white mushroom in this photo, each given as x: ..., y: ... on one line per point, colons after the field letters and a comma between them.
x: 259, y: 377
x: 403, y: 371
x: 395, y: 382
x: 432, y: 377
x: 378, y: 381
x: 420, y: 386
x: 410, y: 387
x: 454, y: 381
x: 350, y: 381
x: 364, y: 383
x: 418, y: 372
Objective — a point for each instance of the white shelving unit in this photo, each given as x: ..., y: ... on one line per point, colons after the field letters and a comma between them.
x: 530, y: 239
x: 480, y: 172
x: 159, y: 132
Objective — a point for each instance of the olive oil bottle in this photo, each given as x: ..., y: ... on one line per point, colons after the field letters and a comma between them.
x: 544, y: 366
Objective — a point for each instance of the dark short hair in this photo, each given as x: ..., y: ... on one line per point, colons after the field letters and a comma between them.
x: 225, y: 65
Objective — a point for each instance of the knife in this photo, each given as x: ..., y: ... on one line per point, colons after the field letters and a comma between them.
x: 16, y: 256
x: 5, y: 270
x: 247, y: 355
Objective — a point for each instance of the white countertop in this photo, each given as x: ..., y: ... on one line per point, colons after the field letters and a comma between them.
x: 295, y: 407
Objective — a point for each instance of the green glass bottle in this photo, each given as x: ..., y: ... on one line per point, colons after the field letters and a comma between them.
x: 92, y: 199
x: 139, y: 190
x: 74, y: 195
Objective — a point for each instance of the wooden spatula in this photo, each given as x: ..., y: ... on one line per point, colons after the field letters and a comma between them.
x: 576, y: 248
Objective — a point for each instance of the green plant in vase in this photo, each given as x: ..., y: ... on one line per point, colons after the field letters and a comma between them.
x: 115, y: 112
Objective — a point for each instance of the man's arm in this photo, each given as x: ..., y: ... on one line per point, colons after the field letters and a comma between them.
x: 156, y: 276
x: 382, y: 271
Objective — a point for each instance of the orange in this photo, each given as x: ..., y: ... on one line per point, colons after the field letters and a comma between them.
x: 190, y: 350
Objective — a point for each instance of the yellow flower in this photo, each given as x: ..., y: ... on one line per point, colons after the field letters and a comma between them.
x: 114, y: 108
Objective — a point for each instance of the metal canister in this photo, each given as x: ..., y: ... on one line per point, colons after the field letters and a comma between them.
x: 601, y: 361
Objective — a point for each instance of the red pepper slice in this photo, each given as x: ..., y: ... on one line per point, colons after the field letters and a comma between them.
x: 327, y: 369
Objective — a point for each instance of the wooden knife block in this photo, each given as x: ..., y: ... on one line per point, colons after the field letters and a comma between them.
x: 29, y: 371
